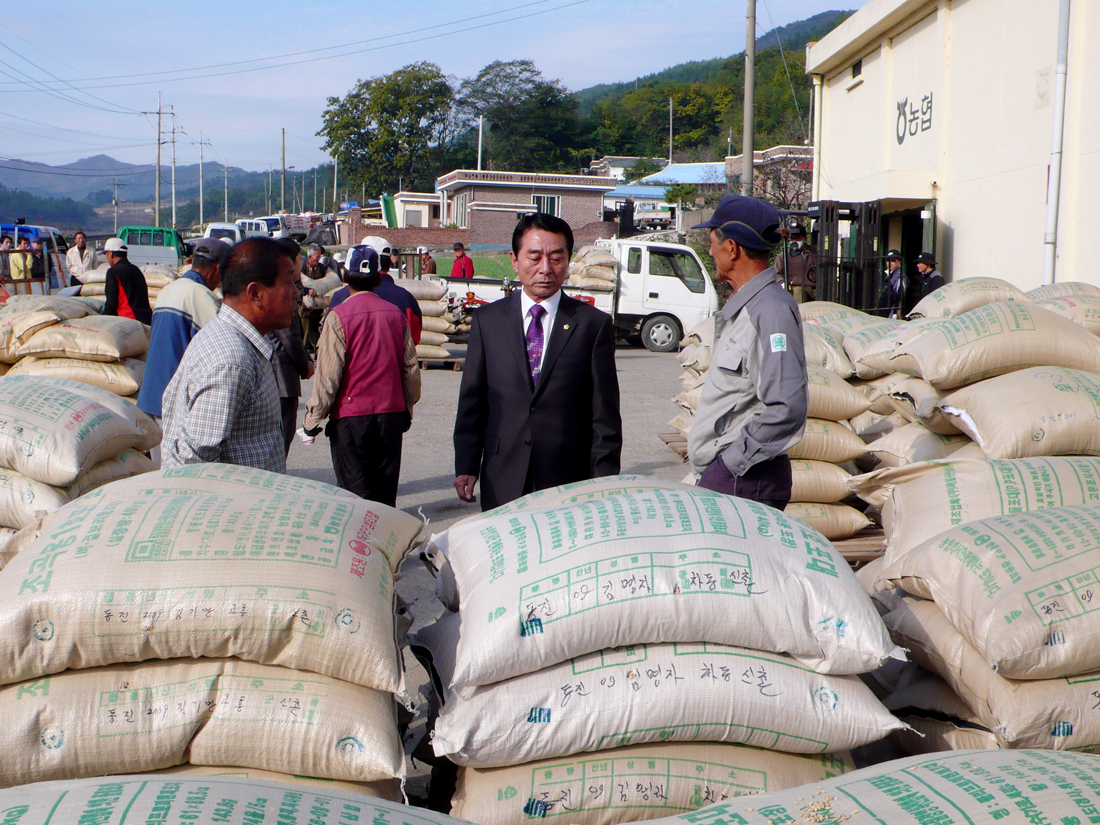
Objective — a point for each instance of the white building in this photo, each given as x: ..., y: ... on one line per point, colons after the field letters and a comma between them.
x: 948, y: 108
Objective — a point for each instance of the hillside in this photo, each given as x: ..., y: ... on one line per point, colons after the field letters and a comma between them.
x: 792, y: 36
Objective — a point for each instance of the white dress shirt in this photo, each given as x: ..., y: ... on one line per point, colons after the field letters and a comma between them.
x: 551, y: 307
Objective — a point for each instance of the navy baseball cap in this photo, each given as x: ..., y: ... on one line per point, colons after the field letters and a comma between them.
x: 749, y: 222
x: 361, y: 255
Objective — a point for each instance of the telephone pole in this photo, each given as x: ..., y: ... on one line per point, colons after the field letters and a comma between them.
x: 201, y: 144
x: 225, y: 169
x: 670, y: 130
x: 269, y: 189
x: 282, y: 185
x: 314, y: 188
x: 747, y: 156
x: 173, y: 167
x: 156, y: 206
x: 114, y: 202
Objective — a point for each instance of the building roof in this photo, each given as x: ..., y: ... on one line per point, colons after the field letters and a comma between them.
x: 623, y: 161
x: 636, y: 190
x: 469, y: 177
x: 693, y: 173
x: 846, y: 42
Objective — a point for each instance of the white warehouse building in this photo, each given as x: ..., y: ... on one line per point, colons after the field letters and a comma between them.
x: 947, y: 112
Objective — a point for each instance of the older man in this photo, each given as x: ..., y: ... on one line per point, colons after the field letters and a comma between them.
x: 752, y: 408
x: 223, y: 402
x: 126, y: 290
x: 314, y: 268
x: 80, y: 258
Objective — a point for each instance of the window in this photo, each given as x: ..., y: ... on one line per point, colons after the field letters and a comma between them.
x: 857, y: 68
x: 158, y: 239
x: 674, y: 264
x: 435, y: 211
x: 460, y: 209
x: 634, y: 260
x: 547, y: 204
x: 145, y: 239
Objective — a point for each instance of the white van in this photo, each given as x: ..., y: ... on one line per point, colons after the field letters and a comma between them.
x: 254, y: 228
x: 228, y: 232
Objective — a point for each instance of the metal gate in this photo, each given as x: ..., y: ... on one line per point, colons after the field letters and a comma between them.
x: 849, y: 270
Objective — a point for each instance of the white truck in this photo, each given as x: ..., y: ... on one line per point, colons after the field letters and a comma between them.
x: 661, y: 291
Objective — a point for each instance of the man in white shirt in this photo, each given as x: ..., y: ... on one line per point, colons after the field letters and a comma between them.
x: 80, y: 259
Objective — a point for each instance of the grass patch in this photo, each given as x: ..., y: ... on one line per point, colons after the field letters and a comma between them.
x: 485, y: 266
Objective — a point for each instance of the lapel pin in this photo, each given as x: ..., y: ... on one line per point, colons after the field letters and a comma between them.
x: 566, y: 326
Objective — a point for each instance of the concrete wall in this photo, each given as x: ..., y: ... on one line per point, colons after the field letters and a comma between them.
x: 977, y: 80
x: 494, y: 226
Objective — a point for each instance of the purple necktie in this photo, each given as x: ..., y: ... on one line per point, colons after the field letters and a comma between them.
x: 534, y: 342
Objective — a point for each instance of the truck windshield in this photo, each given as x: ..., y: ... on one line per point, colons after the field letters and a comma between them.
x: 272, y: 224
x: 676, y: 264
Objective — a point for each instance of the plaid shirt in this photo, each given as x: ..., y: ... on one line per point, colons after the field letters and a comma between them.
x: 223, y: 403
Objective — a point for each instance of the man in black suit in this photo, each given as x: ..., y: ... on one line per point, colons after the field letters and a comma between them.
x: 539, y: 404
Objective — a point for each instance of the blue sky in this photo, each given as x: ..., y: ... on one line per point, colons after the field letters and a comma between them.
x: 105, y: 61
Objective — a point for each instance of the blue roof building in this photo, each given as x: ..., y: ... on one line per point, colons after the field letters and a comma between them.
x: 696, y: 174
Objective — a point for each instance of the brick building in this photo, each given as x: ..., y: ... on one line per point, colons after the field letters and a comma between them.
x: 488, y: 204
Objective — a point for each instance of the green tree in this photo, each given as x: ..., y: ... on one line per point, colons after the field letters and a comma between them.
x: 532, y: 121
x: 393, y: 129
x: 643, y: 167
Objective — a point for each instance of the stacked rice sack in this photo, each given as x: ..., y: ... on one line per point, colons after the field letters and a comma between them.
x: 157, y: 277
x: 435, y: 326
x: 579, y: 671
x: 694, y: 357
x: 211, y: 615
x: 593, y: 267
x: 52, y: 336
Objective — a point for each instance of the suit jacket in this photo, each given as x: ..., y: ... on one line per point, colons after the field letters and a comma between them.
x: 291, y: 364
x: 518, y: 438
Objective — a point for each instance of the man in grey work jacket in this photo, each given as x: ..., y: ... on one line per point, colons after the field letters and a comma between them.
x: 753, y: 405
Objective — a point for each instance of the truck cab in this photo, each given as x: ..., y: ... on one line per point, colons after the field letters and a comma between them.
x: 152, y: 245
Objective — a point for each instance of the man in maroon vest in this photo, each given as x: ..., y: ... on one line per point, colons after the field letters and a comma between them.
x: 366, y: 384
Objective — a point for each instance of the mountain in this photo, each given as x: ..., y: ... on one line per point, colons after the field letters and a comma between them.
x: 793, y: 34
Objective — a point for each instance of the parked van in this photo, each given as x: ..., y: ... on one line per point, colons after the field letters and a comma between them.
x: 153, y: 245
x: 228, y: 232
x: 254, y: 228
x: 53, y: 245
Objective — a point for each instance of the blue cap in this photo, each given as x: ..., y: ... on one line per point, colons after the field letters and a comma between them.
x: 749, y: 222
x: 360, y: 255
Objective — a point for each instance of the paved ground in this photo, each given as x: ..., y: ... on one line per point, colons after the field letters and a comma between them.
x: 647, y: 381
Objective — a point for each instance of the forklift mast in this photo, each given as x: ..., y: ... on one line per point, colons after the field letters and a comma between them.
x: 849, y: 270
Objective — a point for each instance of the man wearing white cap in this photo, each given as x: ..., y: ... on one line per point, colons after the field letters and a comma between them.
x: 126, y: 290
x: 427, y: 262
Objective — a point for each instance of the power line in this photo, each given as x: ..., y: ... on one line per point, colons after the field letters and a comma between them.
x: 449, y: 33
x: 63, y: 128
x: 117, y: 109
x: 783, y: 56
x: 99, y: 174
x: 61, y: 139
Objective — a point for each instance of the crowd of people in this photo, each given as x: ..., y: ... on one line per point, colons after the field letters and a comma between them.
x: 539, y: 401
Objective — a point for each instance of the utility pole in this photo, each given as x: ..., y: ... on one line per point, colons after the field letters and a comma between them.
x: 670, y: 130
x: 729, y: 142
x: 156, y: 206
x: 335, y: 179
x: 269, y: 189
x: 201, y: 144
x: 173, y: 167
x: 225, y: 170
x: 314, y: 188
x: 114, y: 202
x: 747, y: 156
x: 282, y: 186
x: 480, y: 123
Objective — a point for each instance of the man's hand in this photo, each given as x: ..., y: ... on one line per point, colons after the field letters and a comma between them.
x: 312, y: 370
x: 465, y: 487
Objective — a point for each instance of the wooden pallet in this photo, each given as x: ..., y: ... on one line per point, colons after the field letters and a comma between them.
x: 865, y: 546
x: 442, y: 363
x: 675, y: 441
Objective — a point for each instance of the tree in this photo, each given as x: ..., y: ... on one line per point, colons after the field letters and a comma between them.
x: 533, y: 123
x: 643, y: 167
x: 393, y: 129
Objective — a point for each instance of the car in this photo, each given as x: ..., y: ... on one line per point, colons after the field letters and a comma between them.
x: 228, y: 232
x: 254, y: 228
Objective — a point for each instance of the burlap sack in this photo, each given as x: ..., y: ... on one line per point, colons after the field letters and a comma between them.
x: 1018, y: 587
x: 977, y: 787
x: 870, y: 426
x: 64, y: 308
x: 818, y: 481
x: 858, y: 340
x: 432, y: 353
x: 964, y: 295
x: 427, y: 289
x: 1040, y: 411
x: 923, y: 500
x: 432, y: 339
x: 432, y: 323
x: 16, y: 328
x: 825, y: 348
x: 57, y: 429
x: 695, y: 357
x: 993, y: 340
x: 834, y: 521
x: 585, y: 282
x: 701, y: 333
x: 1051, y: 713
x: 94, y: 289
x: 914, y: 443
x: 828, y: 441
x: 648, y: 568
x: 96, y: 338
x: 129, y: 718
x: 1065, y: 289
x: 207, y: 799
x: 126, y: 464
x: 940, y: 720
x: 681, y: 422
x: 1083, y: 310
x: 146, y: 569
x: 321, y: 286
x: 432, y: 309
x: 917, y: 400
x: 631, y: 784
x: 120, y: 377
x: 157, y: 279
x: 883, y: 593
x: 831, y: 397
x: 877, y: 390
x: 643, y: 694
x: 825, y: 312
x: 388, y: 789
x: 601, y: 272
x: 7, y: 534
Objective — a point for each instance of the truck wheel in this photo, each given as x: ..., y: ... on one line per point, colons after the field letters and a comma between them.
x: 661, y: 333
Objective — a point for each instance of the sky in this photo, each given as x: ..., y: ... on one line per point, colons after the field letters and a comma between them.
x: 80, y: 78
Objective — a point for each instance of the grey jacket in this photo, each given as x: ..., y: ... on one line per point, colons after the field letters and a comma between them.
x: 753, y: 404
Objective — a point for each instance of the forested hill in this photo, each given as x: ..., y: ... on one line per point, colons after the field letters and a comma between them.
x: 793, y: 36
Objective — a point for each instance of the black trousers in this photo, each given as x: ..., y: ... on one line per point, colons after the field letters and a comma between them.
x: 289, y: 409
x: 366, y: 454
x: 768, y: 482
